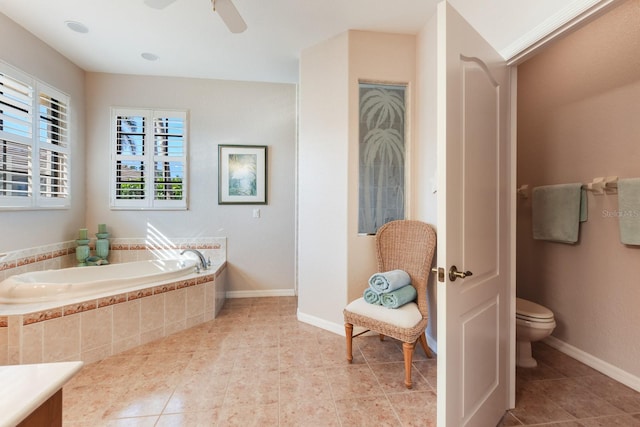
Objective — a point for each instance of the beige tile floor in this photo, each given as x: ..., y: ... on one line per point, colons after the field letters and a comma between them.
x: 563, y: 392
x: 256, y: 365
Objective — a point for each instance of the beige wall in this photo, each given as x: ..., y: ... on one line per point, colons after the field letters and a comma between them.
x: 260, y: 251
x: 578, y: 118
x: 26, y: 229
x: 424, y: 154
x: 323, y: 168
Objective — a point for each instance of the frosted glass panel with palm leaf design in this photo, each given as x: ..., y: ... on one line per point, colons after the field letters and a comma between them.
x: 382, y: 155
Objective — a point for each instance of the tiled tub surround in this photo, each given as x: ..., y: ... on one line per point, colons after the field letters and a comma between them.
x: 62, y: 255
x: 90, y: 329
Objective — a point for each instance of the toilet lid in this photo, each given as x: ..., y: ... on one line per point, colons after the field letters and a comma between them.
x: 529, y: 309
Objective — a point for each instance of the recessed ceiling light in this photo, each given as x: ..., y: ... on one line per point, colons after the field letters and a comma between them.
x: 149, y: 56
x: 78, y: 27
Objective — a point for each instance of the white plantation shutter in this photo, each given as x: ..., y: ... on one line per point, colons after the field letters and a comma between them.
x: 149, y: 152
x: 16, y: 131
x: 16, y: 99
x: 15, y: 176
x: 53, y: 138
x: 34, y: 143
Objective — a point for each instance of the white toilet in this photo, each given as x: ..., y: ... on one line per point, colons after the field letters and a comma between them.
x: 533, y: 323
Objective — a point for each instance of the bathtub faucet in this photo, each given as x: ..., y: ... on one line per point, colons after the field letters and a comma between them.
x: 203, y: 262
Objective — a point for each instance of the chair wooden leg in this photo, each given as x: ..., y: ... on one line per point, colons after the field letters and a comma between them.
x: 425, y: 346
x: 348, y: 329
x: 407, y: 350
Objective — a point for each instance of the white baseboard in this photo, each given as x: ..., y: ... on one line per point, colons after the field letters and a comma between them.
x: 606, y: 368
x: 433, y: 344
x: 261, y: 293
x: 336, y: 328
x: 339, y: 328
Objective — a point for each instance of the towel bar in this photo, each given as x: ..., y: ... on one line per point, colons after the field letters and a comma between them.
x: 602, y: 184
x: 523, y: 191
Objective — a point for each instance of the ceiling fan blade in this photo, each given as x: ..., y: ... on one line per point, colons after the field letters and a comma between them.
x: 158, y: 4
x: 229, y: 15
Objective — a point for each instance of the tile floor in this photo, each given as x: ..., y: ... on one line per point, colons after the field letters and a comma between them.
x: 256, y: 365
x: 563, y: 392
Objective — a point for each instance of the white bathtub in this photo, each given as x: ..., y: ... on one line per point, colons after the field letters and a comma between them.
x: 71, y: 283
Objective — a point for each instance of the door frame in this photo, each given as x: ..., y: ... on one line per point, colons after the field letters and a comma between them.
x: 576, y: 22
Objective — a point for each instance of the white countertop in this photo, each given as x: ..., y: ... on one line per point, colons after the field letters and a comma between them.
x: 23, y: 388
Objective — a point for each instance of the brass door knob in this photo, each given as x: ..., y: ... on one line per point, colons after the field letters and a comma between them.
x: 454, y: 273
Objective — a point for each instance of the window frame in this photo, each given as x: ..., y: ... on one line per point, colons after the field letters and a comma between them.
x: 147, y: 159
x: 37, y: 139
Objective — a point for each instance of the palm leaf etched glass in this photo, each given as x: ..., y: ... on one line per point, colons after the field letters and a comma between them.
x: 381, y: 155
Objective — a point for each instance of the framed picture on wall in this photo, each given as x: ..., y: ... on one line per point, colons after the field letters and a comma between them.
x: 242, y: 174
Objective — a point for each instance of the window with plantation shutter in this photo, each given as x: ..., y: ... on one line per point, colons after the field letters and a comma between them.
x: 53, y: 147
x: 34, y: 143
x: 149, y: 151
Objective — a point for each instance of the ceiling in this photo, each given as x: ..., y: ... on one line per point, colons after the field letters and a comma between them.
x: 190, y: 40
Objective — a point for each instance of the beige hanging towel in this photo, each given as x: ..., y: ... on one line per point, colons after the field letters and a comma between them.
x: 557, y: 211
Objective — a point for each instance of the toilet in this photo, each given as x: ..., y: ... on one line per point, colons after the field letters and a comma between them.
x: 533, y: 323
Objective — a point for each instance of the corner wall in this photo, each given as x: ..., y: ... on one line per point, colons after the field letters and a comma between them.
x: 334, y: 261
x: 323, y: 167
x: 260, y: 253
x: 578, y: 115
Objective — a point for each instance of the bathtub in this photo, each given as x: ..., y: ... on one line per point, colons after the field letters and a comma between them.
x: 77, y: 282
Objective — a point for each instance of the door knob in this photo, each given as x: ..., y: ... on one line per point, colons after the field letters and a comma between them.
x: 454, y: 273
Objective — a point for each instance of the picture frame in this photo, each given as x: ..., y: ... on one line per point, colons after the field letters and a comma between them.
x: 242, y: 174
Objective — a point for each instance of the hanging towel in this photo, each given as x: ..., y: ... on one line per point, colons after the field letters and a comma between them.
x: 389, y: 281
x: 371, y: 296
x: 584, y: 209
x: 556, y: 212
x: 629, y: 210
x: 399, y: 297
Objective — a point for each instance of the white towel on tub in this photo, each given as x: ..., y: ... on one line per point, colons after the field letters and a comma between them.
x: 556, y: 212
x: 629, y: 210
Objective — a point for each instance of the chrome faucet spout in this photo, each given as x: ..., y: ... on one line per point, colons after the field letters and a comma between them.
x: 203, y: 262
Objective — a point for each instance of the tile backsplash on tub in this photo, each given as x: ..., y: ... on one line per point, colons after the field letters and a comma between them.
x: 62, y: 255
x: 137, y: 249
x: 47, y: 257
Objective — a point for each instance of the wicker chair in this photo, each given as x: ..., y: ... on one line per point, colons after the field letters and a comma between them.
x: 406, y: 245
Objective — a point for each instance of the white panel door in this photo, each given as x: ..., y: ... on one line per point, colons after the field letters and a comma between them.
x: 473, y: 226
